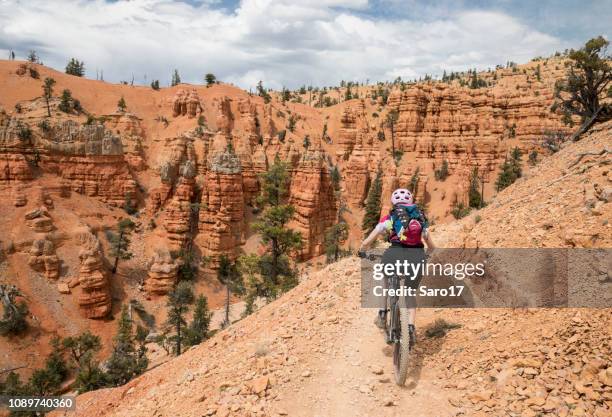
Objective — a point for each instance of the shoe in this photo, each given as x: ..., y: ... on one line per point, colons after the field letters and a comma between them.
x: 381, y: 319
x: 412, y: 335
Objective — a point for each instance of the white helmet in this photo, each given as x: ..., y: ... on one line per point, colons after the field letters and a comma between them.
x: 401, y: 196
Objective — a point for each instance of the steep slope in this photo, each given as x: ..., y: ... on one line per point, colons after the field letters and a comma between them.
x: 315, y: 351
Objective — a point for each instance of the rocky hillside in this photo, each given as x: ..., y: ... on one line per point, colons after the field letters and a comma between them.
x: 316, y: 352
x: 183, y: 163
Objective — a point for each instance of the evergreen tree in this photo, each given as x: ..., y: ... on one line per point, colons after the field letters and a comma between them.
x: 33, y: 57
x: 510, y: 170
x: 48, y: 92
x: 474, y: 196
x: 155, y: 85
x: 82, y: 350
x: 121, y: 105
x: 66, y: 101
x: 126, y: 360
x: 335, y: 177
x: 15, y: 313
x: 75, y: 67
x: 200, y: 323
x: 587, y: 80
x: 47, y: 381
x: 249, y: 269
x: 390, y: 121
x: 348, y: 95
x: 335, y: 237
x: 176, y: 78
x: 120, y: 241
x: 276, y: 270
x: 210, y: 79
x: 442, y: 173
x: 306, y: 142
x: 178, y: 303
x: 372, y: 206
x: 262, y: 92
x: 229, y: 275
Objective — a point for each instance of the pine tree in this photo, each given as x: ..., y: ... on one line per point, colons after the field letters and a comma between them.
x: 442, y: 173
x: 510, y: 170
x: 82, y: 350
x: 48, y: 92
x: 335, y: 237
x: 120, y: 242
x: 210, y: 79
x: 261, y: 91
x: 155, y: 85
x: 126, y: 360
x: 200, y: 323
x: 66, y: 101
x: 33, y: 57
x: 276, y: 270
x: 75, y: 67
x: 588, y: 77
x: 474, y: 196
x: 249, y: 269
x: 372, y: 206
x: 47, y: 381
x: 390, y: 121
x: 176, y: 78
x: 121, y: 105
x: 229, y: 275
x: 14, y: 313
x: 178, y: 305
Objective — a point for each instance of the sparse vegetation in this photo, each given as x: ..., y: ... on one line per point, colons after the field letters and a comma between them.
x: 14, y: 312
x: 229, y: 276
x: 442, y: 173
x: 176, y: 78
x: 588, y: 76
x: 178, y: 303
x: 262, y: 92
x: 275, y: 267
x: 510, y: 170
x: 48, y: 93
x: 75, y: 67
x: 210, y: 79
x: 474, y: 195
x: 459, y: 211
x: 335, y: 237
x: 127, y: 359
x: 372, y: 206
x: 121, y: 105
x: 155, y: 85
x: 120, y: 242
x: 440, y: 327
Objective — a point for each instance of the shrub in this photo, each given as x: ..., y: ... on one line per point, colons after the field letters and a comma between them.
x: 459, y: 211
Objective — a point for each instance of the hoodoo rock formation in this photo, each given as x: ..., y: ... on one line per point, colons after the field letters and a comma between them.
x: 94, y: 298
x: 186, y: 103
x: 163, y: 274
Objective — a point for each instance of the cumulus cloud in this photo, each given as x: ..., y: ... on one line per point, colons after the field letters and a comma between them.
x: 283, y: 42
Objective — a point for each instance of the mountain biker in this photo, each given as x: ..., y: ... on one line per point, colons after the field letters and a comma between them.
x: 406, y: 234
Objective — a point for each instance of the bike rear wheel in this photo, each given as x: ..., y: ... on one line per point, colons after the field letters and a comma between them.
x: 401, y: 347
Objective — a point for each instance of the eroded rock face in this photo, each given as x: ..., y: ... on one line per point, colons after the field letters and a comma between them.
x: 312, y: 195
x: 39, y: 220
x: 94, y: 298
x: 163, y: 274
x: 221, y: 217
x: 186, y: 103
x: 178, y: 213
x: 43, y: 258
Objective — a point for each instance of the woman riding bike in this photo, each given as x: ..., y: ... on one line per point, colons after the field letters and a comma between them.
x: 406, y: 229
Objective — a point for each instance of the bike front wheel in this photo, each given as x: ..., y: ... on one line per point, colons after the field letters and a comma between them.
x: 401, y: 346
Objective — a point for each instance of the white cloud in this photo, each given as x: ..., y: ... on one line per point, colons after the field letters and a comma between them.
x: 284, y: 42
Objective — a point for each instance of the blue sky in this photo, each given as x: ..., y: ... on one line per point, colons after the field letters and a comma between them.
x: 291, y: 42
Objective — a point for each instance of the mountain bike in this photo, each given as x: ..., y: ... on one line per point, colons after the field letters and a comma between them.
x: 396, y: 327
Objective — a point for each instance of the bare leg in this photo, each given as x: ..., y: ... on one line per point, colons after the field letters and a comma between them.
x: 411, y: 315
